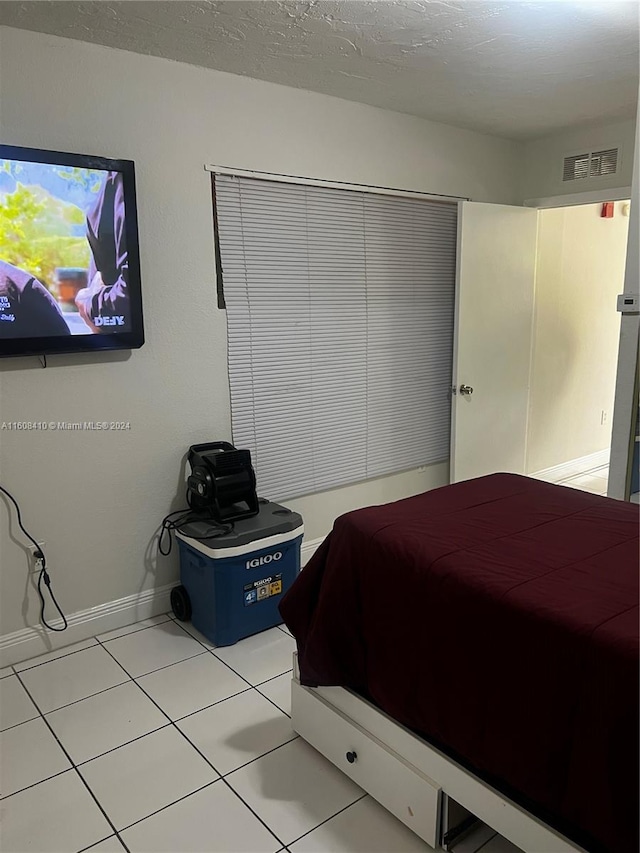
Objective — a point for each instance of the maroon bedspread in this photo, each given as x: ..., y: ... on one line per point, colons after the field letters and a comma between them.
x: 499, y: 618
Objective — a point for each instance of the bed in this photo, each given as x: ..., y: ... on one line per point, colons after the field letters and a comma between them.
x: 488, y: 630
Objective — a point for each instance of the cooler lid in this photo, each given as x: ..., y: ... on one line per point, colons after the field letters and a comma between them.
x: 273, y: 519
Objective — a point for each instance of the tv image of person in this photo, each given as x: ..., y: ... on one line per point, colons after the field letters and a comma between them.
x: 104, y: 303
x: 27, y: 309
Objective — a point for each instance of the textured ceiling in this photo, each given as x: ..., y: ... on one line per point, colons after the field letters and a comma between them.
x: 515, y: 69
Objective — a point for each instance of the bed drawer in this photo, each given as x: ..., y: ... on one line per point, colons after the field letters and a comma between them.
x: 401, y: 788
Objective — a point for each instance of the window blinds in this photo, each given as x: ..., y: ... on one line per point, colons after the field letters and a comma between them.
x: 340, y: 330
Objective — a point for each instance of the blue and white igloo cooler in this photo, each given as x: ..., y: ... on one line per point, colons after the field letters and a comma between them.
x: 232, y: 584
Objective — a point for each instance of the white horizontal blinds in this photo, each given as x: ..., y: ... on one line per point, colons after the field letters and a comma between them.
x: 411, y: 257
x: 264, y: 255
x: 338, y: 319
x: 340, y: 316
x: 293, y: 277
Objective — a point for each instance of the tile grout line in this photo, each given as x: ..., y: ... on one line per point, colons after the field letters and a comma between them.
x: 220, y: 777
x: 90, y: 696
x: 103, y: 644
x: 133, y: 679
x: 53, y: 660
x: 74, y: 768
x: 213, y: 704
x: 326, y: 820
x: 257, y: 758
x: 114, y: 748
x: 34, y: 784
x: 90, y: 646
x: 268, y: 698
x: 164, y: 666
x: 151, y: 671
x: 173, y: 803
x: 91, y: 846
x: 256, y: 686
x: 96, y: 643
x: 173, y: 723
x: 273, y: 678
x: 133, y: 630
x: 212, y: 651
x: 105, y: 689
x: 251, y: 809
x: 15, y: 725
x: 253, y: 686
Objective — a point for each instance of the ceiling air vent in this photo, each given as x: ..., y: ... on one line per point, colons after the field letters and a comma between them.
x: 576, y: 167
x: 597, y: 164
x: 603, y: 163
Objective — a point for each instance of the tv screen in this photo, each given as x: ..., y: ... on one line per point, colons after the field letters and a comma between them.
x: 69, y: 261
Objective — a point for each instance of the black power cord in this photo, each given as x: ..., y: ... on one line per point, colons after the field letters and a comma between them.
x: 186, y: 516
x: 44, y: 574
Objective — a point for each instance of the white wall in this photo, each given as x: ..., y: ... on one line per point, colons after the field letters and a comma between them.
x: 96, y: 498
x: 580, y: 270
x: 543, y: 159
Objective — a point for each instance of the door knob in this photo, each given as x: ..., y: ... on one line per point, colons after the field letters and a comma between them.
x: 466, y: 390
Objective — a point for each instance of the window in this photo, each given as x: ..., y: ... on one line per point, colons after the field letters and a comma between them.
x: 340, y: 330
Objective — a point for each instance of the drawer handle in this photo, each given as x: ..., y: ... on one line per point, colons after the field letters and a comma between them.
x: 352, y: 757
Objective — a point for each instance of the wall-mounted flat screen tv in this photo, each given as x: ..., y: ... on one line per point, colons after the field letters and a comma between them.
x: 69, y: 260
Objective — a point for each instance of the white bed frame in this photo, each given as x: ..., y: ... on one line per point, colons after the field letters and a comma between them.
x: 416, y: 782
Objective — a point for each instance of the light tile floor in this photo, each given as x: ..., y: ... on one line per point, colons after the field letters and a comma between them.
x: 595, y: 480
x: 150, y: 739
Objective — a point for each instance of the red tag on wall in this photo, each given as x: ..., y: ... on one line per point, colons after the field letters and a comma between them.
x: 607, y: 210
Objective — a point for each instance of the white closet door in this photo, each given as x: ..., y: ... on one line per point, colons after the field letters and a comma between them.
x: 494, y: 320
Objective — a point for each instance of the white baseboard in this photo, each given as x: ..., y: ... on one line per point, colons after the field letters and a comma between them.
x: 308, y: 549
x: 30, y: 642
x: 573, y: 467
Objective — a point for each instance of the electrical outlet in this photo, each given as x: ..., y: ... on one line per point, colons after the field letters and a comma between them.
x: 35, y: 562
x: 603, y: 417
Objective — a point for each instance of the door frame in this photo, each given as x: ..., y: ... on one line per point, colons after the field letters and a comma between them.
x: 619, y: 468
x: 576, y: 199
x: 453, y: 390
